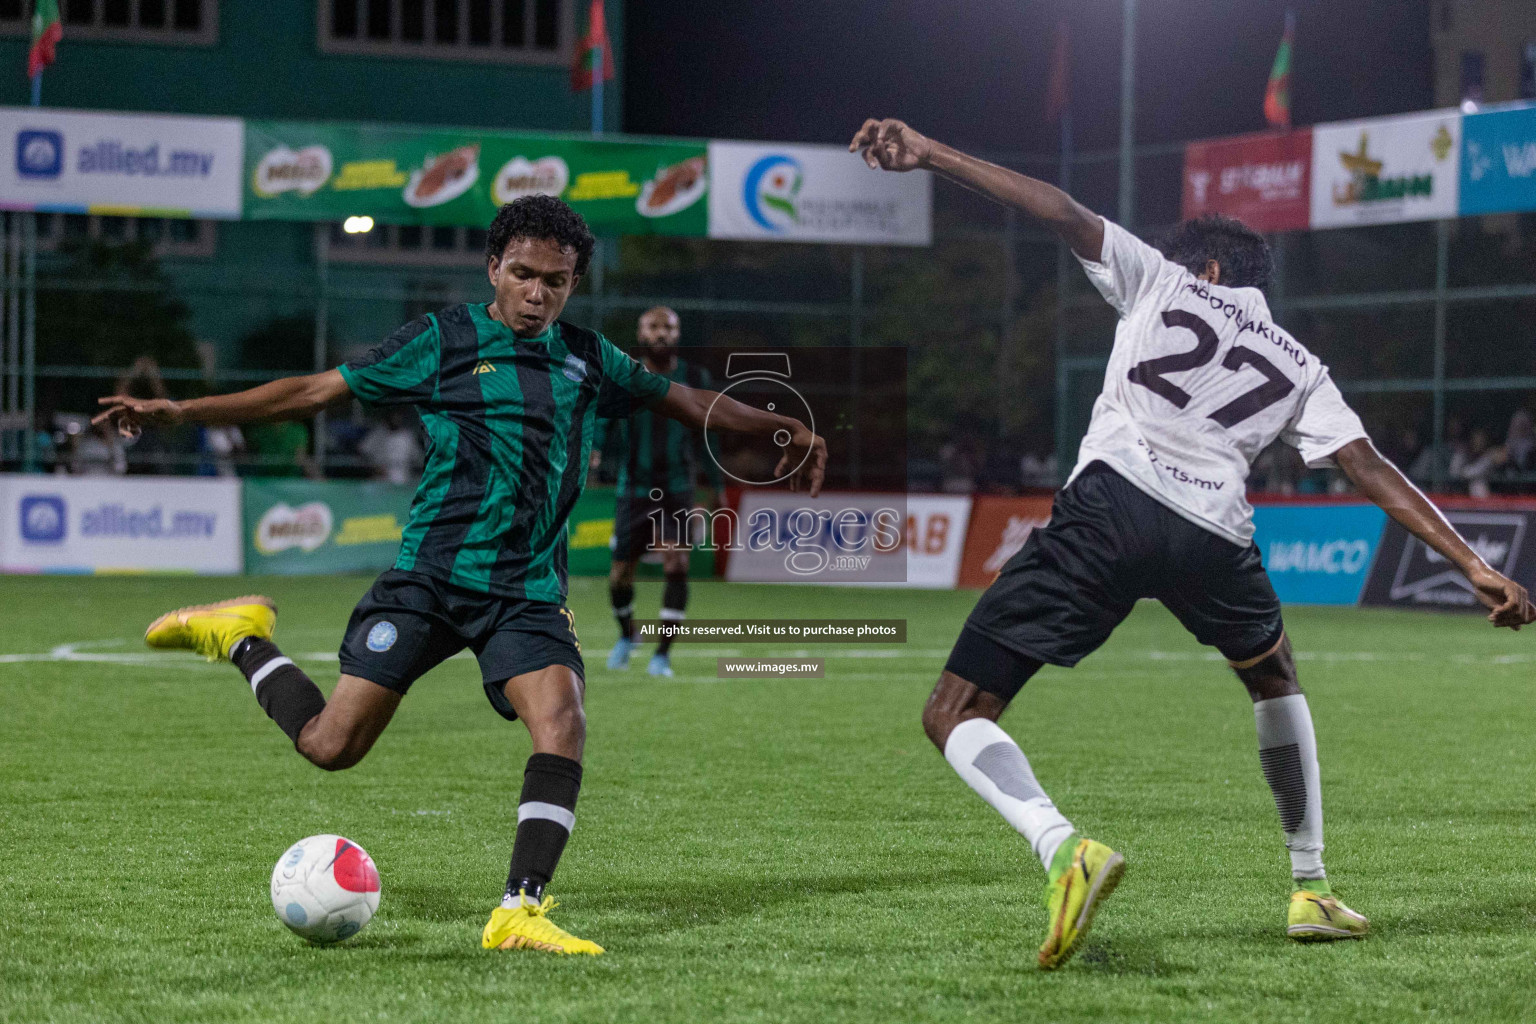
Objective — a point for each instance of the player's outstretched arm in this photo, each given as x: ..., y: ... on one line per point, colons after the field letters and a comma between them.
x: 1384, y: 484
x: 804, y: 449
x: 290, y: 398
x: 893, y: 146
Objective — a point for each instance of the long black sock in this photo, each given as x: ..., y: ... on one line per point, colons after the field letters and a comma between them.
x: 288, y: 696
x: 674, y: 606
x: 623, y: 598
x: 545, y: 816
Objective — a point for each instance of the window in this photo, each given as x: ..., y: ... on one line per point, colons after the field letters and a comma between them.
x: 513, y: 31
x: 186, y: 22
x: 409, y: 245
x: 169, y: 236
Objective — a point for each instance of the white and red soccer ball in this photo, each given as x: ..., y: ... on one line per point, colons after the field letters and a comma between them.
x: 325, y: 888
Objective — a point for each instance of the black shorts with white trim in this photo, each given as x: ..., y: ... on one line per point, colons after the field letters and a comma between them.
x: 408, y: 623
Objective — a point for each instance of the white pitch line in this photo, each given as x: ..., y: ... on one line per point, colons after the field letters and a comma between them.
x: 81, y: 654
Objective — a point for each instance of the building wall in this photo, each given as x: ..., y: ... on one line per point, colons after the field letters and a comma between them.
x: 1498, y: 29
x: 267, y: 62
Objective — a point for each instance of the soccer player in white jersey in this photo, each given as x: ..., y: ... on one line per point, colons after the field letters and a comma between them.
x: 1199, y: 382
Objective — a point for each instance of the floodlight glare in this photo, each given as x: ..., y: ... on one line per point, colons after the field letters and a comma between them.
x: 357, y: 225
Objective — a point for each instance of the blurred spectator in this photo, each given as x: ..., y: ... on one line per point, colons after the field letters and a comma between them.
x: 1035, y: 471
x: 219, y: 447
x: 281, y: 449
x: 1277, y: 470
x: 1452, y: 453
x: 1520, y: 443
x: 392, y: 450
x: 959, y: 470
x: 157, y: 448
x: 98, y: 451
x: 1481, y: 459
x: 1401, y: 447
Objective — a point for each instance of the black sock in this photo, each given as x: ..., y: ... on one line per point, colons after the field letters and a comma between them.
x: 623, y: 598
x: 285, y: 693
x: 545, y: 816
x: 674, y: 602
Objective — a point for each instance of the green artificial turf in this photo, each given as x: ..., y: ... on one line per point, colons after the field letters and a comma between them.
x: 760, y: 850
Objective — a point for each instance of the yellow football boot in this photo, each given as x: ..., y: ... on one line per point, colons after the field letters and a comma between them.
x: 1074, y: 898
x: 212, y: 629
x: 1314, y: 917
x: 527, y: 926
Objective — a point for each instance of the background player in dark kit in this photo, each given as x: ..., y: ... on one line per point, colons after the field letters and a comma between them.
x: 509, y: 396
x: 658, y: 467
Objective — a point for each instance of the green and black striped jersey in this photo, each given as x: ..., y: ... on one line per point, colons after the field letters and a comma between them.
x: 509, y: 424
x: 657, y: 453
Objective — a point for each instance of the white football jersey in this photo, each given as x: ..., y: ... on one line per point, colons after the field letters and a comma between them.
x: 1199, y: 382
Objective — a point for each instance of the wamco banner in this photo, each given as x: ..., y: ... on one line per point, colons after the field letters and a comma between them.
x: 461, y: 176
x: 1386, y: 169
x: 76, y: 161
x: 85, y: 524
x: 814, y: 194
x: 1318, y: 553
x: 319, y: 526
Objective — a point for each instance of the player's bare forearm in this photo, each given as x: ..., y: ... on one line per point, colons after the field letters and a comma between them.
x: 894, y: 146
x: 1386, y: 486
x: 805, y: 454
x: 289, y: 398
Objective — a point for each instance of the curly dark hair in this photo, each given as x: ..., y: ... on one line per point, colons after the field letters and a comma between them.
x: 1243, y: 254
x: 541, y: 217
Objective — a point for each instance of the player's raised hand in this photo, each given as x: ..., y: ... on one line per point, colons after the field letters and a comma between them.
x: 806, y: 455
x: 891, y: 145
x: 131, y: 415
x: 1507, y: 600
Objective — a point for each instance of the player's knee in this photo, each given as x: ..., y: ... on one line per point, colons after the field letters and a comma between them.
x: 560, y: 726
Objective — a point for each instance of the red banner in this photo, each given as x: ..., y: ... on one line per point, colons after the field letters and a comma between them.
x: 1262, y: 180
x: 999, y: 527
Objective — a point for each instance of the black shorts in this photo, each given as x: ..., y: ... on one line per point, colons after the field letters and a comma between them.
x: 1107, y: 545
x: 408, y: 623
x: 638, y: 522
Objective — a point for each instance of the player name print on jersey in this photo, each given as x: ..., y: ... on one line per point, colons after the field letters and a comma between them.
x: 1200, y: 381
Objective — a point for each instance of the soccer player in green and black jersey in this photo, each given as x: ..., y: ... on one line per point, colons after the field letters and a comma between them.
x: 657, y: 471
x: 509, y: 397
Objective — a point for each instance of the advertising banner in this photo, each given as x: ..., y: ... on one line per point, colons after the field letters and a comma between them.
x: 1386, y: 169
x: 911, y: 540
x: 1409, y: 575
x: 1318, y: 554
x: 297, y: 170
x: 814, y: 194
x: 83, y: 524
x: 317, y: 526
x: 998, y: 529
x: 1498, y: 161
x: 76, y: 161
x: 1262, y: 180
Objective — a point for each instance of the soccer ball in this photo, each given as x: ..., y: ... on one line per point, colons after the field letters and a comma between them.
x: 325, y: 888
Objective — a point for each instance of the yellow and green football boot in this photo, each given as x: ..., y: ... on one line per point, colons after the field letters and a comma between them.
x: 527, y: 926
x: 1074, y: 896
x: 212, y: 629
x: 1320, y: 917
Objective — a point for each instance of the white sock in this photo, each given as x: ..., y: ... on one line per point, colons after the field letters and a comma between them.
x: 994, y: 766
x: 1288, y: 755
